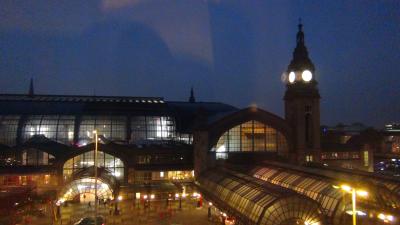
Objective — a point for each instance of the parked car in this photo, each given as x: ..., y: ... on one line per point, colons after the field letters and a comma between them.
x: 90, y: 221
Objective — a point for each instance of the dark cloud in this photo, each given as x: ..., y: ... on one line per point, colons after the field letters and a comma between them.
x: 231, y: 51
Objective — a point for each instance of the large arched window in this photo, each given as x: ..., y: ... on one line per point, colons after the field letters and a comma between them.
x: 111, y: 163
x: 252, y: 136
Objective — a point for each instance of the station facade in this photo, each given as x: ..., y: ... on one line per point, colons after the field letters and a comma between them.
x: 47, y: 142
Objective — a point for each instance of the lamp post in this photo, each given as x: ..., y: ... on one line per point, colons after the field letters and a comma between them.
x: 179, y: 197
x: 354, y: 192
x: 95, y: 177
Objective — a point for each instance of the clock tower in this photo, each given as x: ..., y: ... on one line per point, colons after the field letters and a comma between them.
x: 302, y: 103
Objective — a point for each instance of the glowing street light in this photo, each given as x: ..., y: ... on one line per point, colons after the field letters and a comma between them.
x: 354, y: 192
x: 385, y: 218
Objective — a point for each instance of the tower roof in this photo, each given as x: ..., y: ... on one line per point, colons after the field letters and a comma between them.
x: 300, y: 60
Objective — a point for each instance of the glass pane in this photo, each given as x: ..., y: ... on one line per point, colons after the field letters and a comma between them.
x: 247, y: 136
x: 138, y: 128
x: 8, y: 130
x: 31, y: 127
x: 234, y: 139
x: 65, y: 129
x: 259, y: 136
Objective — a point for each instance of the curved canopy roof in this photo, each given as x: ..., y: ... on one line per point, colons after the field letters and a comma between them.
x: 320, y: 186
x: 255, y: 202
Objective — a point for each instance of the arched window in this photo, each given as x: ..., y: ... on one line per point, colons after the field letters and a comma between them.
x: 111, y: 163
x: 251, y: 136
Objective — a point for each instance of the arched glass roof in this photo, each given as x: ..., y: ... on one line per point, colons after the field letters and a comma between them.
x: 255, y: 202
x: 322, y: 189
x: 86, y: 186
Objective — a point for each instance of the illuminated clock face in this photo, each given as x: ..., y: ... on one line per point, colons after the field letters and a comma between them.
x: 306, y: 75
x: 292, y: 77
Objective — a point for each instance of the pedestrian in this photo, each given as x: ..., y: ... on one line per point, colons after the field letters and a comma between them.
x: 89, y: 205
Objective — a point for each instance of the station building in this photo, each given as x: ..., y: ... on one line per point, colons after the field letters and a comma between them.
x: 247, y: 161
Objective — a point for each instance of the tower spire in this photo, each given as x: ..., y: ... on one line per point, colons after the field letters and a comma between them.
x: 300, y: 60
x: 300, y: 33
x: 31, y: 89
x: 191, y: 98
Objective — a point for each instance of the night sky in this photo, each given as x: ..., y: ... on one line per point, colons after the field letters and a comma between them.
x: 231, y: 51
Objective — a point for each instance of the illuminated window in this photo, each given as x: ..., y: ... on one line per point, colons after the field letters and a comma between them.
x: 111, y: 128
x: 366, y: 160
x: 251, y: 136
x: 309, y: 158
x: 112, y: 164
x: 54, y: 127
x: 153, y: 128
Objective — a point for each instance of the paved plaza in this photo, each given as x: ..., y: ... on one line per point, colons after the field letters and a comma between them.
x: 156, y: 213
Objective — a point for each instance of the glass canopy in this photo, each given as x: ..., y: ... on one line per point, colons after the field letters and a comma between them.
x: 255, y: 203
x: 86, y: 186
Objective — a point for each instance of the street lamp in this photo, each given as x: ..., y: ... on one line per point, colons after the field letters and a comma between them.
x: 354, y: 192
x: 95, y: 177
x: 385, y: 218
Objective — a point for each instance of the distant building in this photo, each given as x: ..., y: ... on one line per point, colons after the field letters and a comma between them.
x: 392, y: 138
x: 349, y: 146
